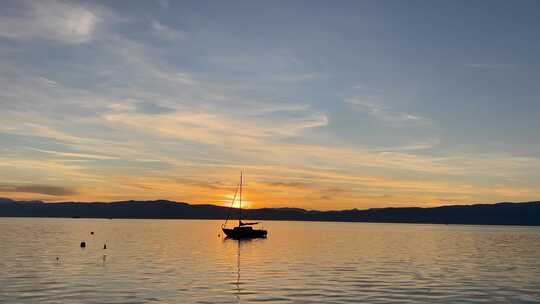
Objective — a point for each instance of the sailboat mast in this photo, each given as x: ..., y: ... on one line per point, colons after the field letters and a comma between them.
x: 240, y: 205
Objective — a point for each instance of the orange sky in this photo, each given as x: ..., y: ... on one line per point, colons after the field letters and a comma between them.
x: 357, y: 105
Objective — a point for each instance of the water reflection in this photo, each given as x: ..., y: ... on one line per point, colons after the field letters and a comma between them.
x: 173, y: 261
x: 238, y: 290
x: 239, y: 245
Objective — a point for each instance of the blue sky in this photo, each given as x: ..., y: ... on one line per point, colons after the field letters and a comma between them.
x: 325, y: 105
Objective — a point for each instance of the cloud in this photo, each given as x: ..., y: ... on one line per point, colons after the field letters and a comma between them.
x: 271, y: 66
x: 77, y: 155
x: 52, y: 20
x: 212, y: 127
x: 490, y: 66
x: 47, y: 81
x: 167, y: 33
x: 369, y: 105
x: 427, y: 143
x: 299, y: 77
x: 39, y: 189
x: 145, y: 110
x: 163, y: 4
x: 288, y: 184
x: 360, y: 86
x: 205, y: 184
x: 45, y: 170
x: 138, y: 106
x: 49, y: 132
x: 153, y: 108
x: 332, y: 193
x: 185, y: 78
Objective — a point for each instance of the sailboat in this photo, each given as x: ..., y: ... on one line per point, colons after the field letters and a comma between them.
x: 244, y: 230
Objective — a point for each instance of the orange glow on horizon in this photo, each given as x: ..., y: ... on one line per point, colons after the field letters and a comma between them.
x: 227, y: 202
x: 267, y: 187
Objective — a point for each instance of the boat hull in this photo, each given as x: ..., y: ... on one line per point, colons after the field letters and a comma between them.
x: 238, y: 233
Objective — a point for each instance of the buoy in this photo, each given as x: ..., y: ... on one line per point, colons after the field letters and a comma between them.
x: 83, y: 244
x: 104, y: 246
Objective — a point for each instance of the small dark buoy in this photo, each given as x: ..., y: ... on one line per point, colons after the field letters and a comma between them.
x: 92, y: 232
x: 104, y: 246
x: 83, y: 244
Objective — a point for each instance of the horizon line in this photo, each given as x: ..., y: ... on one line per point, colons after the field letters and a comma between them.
x: 298, y: 208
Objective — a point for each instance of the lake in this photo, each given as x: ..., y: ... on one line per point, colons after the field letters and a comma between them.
x: 179, y: 261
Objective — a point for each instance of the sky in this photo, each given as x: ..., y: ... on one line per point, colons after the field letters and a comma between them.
x: 323, y: 105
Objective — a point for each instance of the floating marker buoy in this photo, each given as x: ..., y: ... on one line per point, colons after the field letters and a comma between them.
x: 83, y: 244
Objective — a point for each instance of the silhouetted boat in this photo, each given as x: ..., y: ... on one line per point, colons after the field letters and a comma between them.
x: 244, y: 230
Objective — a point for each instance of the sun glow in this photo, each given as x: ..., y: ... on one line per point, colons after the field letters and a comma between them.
x: 236, y: 204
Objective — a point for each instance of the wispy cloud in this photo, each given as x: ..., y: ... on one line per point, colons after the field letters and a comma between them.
x: 218, y: 128
x: 272, y: 66
x: 299, y: 77
x: 369, y: 104
x: 55, y: 20
x: 185, y: 78
x: 138, y: 106
x: 427, y: 143
x: 48, y: 132
x: 292, y: 184
x: 265, y: 60
x: 163, y: 3
x: 167, y: 33
x: 47, y: 81
x: 126, y: 117
x: 76, y: 155
x: 39, y: 189
x: 490, y: 66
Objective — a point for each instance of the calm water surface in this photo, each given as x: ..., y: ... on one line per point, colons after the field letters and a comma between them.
x: 179, y: 261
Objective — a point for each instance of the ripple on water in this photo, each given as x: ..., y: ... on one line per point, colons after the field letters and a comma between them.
x: 182, y: 261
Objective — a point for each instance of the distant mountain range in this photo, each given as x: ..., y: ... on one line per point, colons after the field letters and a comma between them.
x: 482, y: 214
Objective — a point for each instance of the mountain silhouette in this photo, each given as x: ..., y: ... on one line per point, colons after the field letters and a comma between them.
x: 527, y: 213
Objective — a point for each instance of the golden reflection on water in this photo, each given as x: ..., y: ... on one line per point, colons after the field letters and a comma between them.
x: 185, y: 261
x: 239, y: 242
